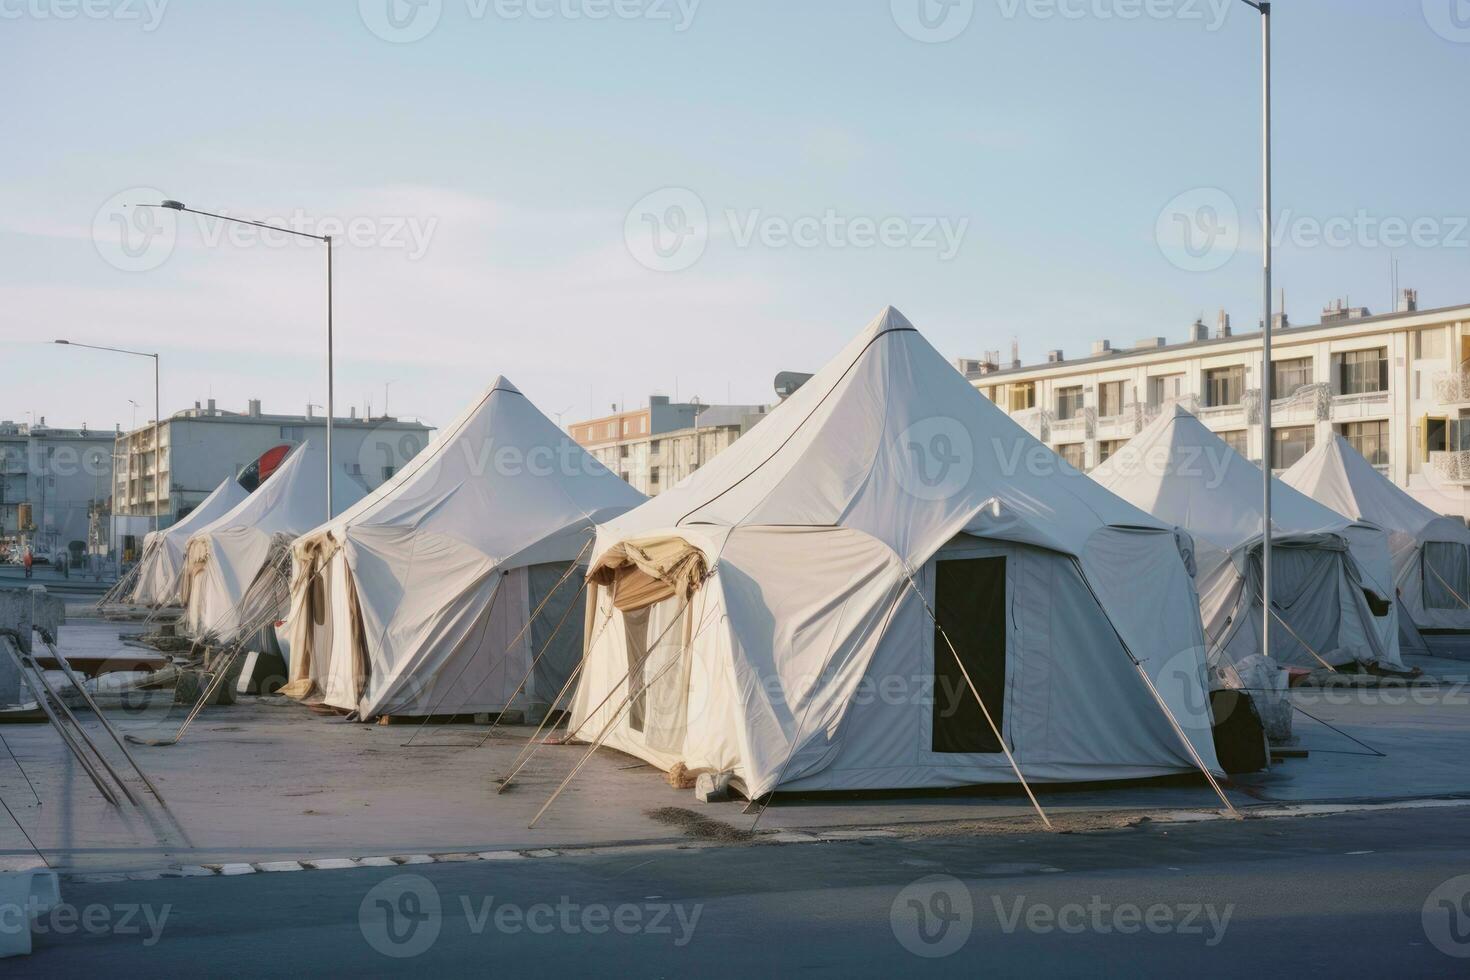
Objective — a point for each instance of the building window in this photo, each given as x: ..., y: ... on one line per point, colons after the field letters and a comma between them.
x: 1111, y: 397
x: 1370, y: 439
x: 1165, y: 389
x: 293, y: 433
x: 1431, y: 344
x: 652, y: 447
x: 1069, y: 403
x: 1290, y: 445
x: 653, y: 476
x: 1224, y: 386
x: 1107, y: 449
x: 1022, y: 396
x: 1074, y: 453
x: 1363, y: 372
x: 1237, y: 439
x: 1289, y: 377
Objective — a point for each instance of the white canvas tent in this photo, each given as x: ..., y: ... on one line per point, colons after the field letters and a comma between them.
x: 417, y: 601
x: 223, y: 559
x: 764, y: 611
x: 1321, y: 562
x: 163, y: 551
x: 1430, y: 552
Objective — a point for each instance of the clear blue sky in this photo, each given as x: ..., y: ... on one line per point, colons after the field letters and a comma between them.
x: 515, y: 146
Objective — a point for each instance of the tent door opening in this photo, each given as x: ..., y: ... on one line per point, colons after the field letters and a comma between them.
x: 970, y: 609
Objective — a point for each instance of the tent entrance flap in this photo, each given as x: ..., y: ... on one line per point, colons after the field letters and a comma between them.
x: 969, y: 600
x: 650, y: 570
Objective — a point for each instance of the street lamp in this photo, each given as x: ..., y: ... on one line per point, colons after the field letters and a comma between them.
x: 1264, y: 8
x: 178, y: 206
x: 157, y: 418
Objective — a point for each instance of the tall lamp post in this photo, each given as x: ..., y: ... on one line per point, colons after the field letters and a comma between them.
x: 1264, y: 9
x: 327, y: 239
x: 157, y: 419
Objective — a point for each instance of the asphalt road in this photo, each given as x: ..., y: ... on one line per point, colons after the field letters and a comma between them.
x: 1349, y: 895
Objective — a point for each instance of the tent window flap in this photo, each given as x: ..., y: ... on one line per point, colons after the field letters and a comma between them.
x: 969, y: 600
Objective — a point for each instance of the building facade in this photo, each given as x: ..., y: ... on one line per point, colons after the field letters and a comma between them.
x: 51, y: 480
x: 201, y: 447
x: 1396, y: 386
x: 654, y: 448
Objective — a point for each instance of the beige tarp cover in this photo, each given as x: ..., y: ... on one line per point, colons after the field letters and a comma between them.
x: 649, y: 571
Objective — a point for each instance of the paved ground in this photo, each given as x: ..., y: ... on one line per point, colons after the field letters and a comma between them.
x: 1359, y: 895
x: 267, y: 780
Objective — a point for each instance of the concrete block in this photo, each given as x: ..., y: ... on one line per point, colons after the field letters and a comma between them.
x: 24, y: 895
x: 20, y: 609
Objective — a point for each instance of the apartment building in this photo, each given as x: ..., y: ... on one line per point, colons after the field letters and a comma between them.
x: 655, y: 447
x: 50, y: 481
x: 200, y: 447
x: 1396, y: 386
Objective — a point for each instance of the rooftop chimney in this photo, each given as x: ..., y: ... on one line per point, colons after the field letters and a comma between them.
x: 1015, y: 353
x: 1198, y: 331
x: 211, y: 407
x: 1054, y: 357
x: 1150, y: 343
x: 352, y: 413
x: 1100, y: 347
x: 1222, y: 325
x: 1409, y: 301
x: 254, y: 407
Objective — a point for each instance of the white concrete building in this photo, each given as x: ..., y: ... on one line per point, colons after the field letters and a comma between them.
x: 51, y: 478
x: 654, y: 448
x: 1396, y: 386
x: 204, y: 445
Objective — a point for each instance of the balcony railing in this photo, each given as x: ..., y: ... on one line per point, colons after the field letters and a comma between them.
x: 1452, y: 467
x: 1452, y: 387
x: 1370, y: 405
x: 1034, y: 421
x: 1309, y: 403
x: 1070, y: 429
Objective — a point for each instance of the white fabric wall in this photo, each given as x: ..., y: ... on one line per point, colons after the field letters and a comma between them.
x: 836, y: 647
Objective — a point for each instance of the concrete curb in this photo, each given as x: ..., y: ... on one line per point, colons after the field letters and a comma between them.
x: 783, y: 837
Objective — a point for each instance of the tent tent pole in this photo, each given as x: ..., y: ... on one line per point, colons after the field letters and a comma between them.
x: 1163, y: 705
x: 523, y: 758
x: 908, y: 574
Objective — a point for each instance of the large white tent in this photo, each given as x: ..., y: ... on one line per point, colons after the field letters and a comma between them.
x: 1430, y: 552
x: 766, y: 619
x: 163, y: 551
x: 1323, y: 564
x: 222, y: 560
x: 417, y: 601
